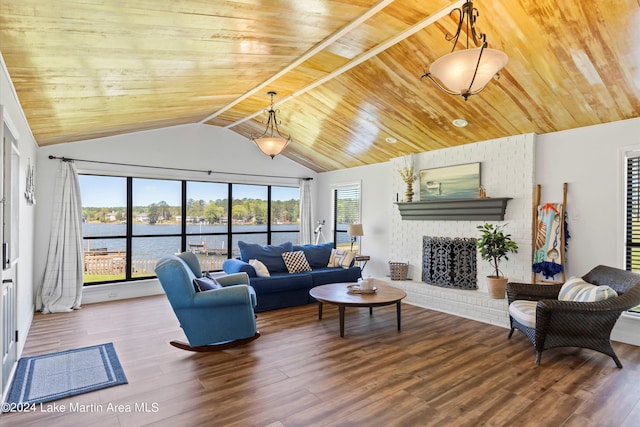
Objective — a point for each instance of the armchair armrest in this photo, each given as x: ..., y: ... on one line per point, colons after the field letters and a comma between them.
x: 231, y: 266
x: 616, y: 304
x: 232, y: 295
x: 532, y: 292
x: 233, y: 279
x: 571, y: 320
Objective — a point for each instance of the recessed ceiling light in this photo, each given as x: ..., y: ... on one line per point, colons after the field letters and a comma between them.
x: 460, y: 123
x: 391, y: 140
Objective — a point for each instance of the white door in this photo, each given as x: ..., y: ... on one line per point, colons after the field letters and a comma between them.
x: 9, y: 215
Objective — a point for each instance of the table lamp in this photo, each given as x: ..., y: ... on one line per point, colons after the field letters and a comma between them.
x: 354, y: 231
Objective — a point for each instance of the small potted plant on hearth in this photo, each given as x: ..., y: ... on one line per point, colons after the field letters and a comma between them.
x: 494, y: 246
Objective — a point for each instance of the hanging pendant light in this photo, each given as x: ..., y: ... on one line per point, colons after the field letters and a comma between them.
x: 466, y: 72
x: 271, y: 142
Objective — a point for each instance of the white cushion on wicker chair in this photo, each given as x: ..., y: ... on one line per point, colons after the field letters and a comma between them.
x: 524, y: 312
x: 576, y: 289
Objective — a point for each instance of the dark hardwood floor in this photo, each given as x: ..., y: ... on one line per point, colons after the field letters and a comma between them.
x: 440, y: 370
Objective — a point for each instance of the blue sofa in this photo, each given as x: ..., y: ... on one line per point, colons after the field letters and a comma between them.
x: 283, y: 289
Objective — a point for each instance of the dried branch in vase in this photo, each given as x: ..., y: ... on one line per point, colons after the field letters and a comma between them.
x: 408, y: 177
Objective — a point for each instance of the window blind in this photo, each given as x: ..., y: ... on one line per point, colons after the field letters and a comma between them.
x: 347, y: 211
x: 633, y: 215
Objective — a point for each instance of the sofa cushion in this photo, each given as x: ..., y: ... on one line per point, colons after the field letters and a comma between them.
x: 205, y: 284
x: 282, y: 283
x: 524, y: 312
x: 576, y: 289
x: 323, y: 276
x: 296, y: 262
x: 317, y: 255
x: 269, y: 255
x: 261, y: 269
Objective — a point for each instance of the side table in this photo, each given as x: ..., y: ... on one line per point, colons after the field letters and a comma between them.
x: 361, y: 259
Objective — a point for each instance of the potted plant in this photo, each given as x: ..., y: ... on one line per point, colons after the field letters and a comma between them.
x: 494, y: 246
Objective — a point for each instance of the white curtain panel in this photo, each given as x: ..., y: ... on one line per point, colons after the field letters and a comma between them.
x: 306, y: 213
x: 61, y: 289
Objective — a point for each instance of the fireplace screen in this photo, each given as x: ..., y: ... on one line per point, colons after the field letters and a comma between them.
x: 449, y: 262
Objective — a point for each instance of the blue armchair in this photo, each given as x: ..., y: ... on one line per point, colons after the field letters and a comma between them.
x: 213, y: 319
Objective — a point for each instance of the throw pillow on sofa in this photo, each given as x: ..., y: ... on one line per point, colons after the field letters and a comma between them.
x: 347, y: 260
x: 335, y: 257
x: 269, y: 255
x: 296, y: 262
x: 317, y: 255
x: 261, y: 269
x: 340, y: 258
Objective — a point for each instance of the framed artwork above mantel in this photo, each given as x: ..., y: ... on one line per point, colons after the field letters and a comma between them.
x: 450, y: 182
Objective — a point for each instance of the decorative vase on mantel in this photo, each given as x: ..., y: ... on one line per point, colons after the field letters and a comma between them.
x: 408, y: 177
x: 408, y: 195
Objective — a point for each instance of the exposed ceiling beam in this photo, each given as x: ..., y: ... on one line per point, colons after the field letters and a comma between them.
x: 360, y: 58
x: 309, y: 54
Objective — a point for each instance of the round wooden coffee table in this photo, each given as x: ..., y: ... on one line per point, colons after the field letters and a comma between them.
x: 338, y: 294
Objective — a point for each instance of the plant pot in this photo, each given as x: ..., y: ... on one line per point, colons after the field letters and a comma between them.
x: 497, y: 286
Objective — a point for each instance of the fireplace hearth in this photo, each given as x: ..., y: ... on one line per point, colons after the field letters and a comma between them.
x: 449, y: 262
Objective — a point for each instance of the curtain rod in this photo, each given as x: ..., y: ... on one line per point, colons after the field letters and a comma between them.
x: 208, y: 172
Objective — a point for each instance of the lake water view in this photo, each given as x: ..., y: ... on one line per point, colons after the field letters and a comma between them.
x: 105, y: 257
x: 145, y: 248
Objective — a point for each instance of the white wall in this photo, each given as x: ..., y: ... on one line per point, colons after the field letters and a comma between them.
x: 376, y: 210
x: 28, y: 153
x: 198, y: 147
x: 506, y: 170
x: 589, y: 159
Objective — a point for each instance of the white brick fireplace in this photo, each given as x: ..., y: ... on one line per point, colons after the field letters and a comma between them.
x: 507, y: 170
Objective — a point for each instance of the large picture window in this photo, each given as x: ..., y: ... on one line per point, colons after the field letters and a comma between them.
x: 130, y: 223
x: 207, y: 222
x: 346, y: 204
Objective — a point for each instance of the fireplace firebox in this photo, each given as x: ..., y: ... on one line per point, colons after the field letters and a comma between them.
x: 449, y: 262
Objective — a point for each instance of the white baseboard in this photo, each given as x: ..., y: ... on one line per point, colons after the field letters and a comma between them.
x: 117, y: 291
x: 627, y: 329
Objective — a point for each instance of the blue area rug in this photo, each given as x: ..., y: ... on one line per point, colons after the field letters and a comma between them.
x: 55, y: 376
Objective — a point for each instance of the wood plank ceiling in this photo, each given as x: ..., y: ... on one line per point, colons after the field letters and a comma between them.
x: 347, y: 72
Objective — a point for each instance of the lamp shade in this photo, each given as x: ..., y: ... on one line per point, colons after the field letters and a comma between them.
x: 456, y: 69
x: 355, y: 230
x: 271, y: 146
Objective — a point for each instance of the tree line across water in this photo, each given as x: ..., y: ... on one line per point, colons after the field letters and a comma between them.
x: 249, y: 211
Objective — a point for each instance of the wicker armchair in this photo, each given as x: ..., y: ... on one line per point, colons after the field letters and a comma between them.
x: 576, y: 324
